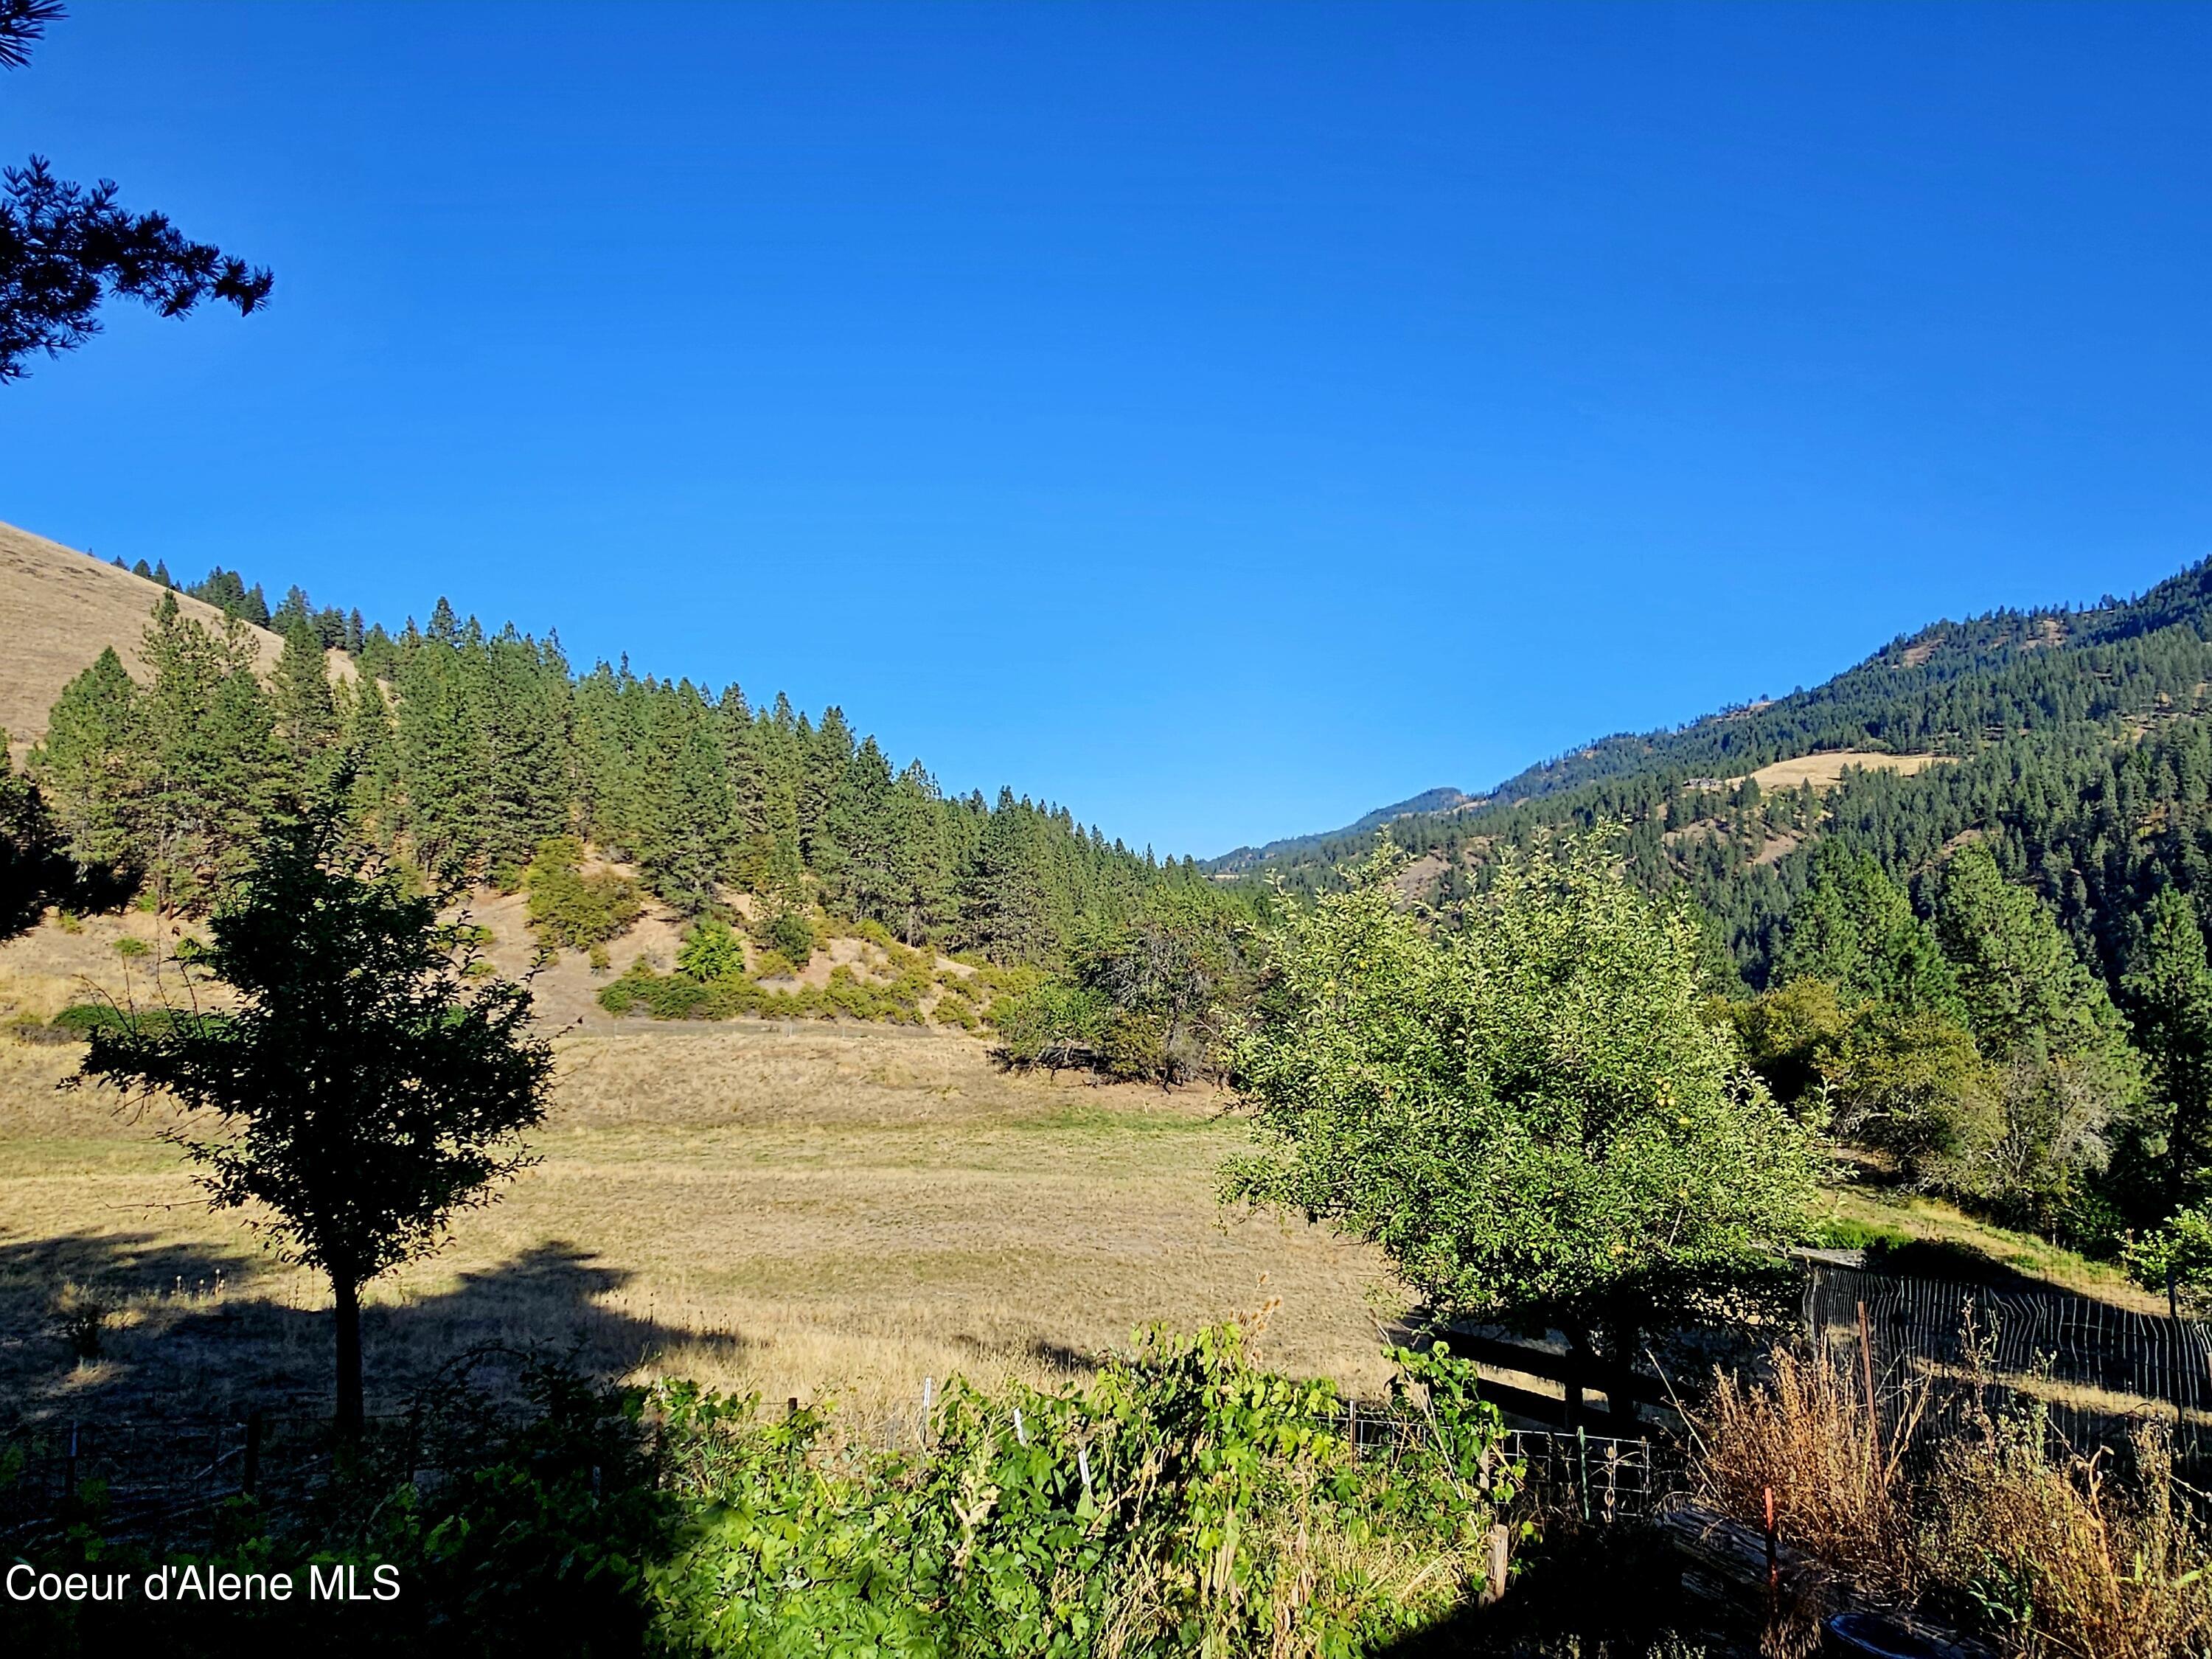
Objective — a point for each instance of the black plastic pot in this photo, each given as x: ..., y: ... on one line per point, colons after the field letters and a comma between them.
x: 1876, y: 1635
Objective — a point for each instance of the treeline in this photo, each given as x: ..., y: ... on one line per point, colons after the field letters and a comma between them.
x: 1951, y: 688
x: 463, y: 753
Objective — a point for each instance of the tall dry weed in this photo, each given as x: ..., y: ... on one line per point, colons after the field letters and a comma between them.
x: 1835, y: 1465
x: 2059, y: 1558
x: 1998, y: 1525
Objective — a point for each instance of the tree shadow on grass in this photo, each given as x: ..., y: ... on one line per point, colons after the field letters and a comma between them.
x: 121, y: 1327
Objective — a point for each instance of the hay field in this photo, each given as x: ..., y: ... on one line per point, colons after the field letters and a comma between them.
x: 806, y: 1210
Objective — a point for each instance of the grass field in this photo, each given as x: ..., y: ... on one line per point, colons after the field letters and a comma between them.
x: 1826, y: 771
x: 801, y: 1210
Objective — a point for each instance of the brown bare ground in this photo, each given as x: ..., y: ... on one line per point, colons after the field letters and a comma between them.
x: 835, y: 1210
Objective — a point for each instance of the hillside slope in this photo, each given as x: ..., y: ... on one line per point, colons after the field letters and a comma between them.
x: 59, y: 608
x: 1443, y: 799
x: 1946, y: 690
x: 2077, y: 742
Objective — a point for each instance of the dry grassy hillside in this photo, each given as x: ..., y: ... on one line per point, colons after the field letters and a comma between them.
x: 59, y: 608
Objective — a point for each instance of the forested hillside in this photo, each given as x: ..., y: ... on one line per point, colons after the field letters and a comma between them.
x: 464, y: 751
x: 2075, y: 745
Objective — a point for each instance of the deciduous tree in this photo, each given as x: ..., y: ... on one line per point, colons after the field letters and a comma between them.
x: 366, y: 1088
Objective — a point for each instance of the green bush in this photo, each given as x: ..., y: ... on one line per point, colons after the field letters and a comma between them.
x: 710, y: 953
x: 1053, y: 1025
x: 571, y: 910
x: 1183, y: 1502
x: 790, y: 935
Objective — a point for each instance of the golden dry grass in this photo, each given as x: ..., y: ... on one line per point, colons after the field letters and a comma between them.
x: 842, y: 1210
x: 59, y: 608
x: 1826, y: 771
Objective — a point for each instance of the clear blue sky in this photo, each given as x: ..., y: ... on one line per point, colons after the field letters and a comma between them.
x: 1220, y: 419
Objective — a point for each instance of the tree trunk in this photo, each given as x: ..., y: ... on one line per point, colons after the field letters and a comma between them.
x: 1578, y: 1363
x: 1620, y: 1391
x: 349, y: 1419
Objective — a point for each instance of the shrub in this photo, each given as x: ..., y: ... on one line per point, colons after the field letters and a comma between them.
x: 130, y: 949
x: 571, y: 910
x: 1183, y: 1502
x: 710, y: 951
x: 789, y: 934
x: 1051, y: 1025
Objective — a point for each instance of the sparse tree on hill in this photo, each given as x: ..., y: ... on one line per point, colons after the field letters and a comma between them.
x: 367, y: 1087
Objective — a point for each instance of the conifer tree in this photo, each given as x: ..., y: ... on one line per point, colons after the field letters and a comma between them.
x: 31, y: 863
x: 529, y: 783
x: 1855, y: 928
x: 443, y: 774
x: 2170, y: 993
x: 1004, y: 909
x: 864, y: 829
x: 306, y: 710
x: 824, y: 754
x: 94, y: 770
x: 210, y: 735
x: 687, y: 847
x: 372, y: 763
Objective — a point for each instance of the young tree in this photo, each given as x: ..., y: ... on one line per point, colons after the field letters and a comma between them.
x: 1533, y: 1118
x: 367, y: 1087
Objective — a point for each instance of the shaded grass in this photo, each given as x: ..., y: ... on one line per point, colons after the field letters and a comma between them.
x: 1919, y: 1219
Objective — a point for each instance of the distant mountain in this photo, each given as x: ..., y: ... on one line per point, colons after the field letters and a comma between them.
x: 1443, y: 799
x: 2076, y: 742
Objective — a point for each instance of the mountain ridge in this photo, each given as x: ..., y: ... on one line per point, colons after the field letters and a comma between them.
x: 1866, y: 707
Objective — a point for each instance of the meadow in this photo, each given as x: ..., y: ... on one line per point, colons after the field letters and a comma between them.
x: 806, y: 1210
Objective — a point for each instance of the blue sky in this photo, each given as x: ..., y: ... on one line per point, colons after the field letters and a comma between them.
x: 1221, y: 420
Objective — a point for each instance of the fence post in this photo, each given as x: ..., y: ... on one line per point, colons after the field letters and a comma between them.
x: 1493, y: 1587
x: 251, y: 1479
x: 1866, y: 1366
